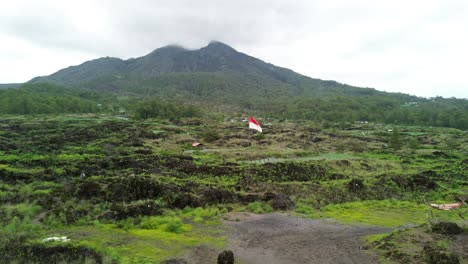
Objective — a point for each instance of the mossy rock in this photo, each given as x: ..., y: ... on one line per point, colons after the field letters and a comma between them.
x: 41, y: 253
x: 123, y: 211
x: 214, y: 196
x: 356, y: 185
x: 423, y: 180
x: 89, y: 189
x: 132, y: 188
x: 182, y: 200
x: 433, y: 254
x: 279, y: 201
x: 226, y: 257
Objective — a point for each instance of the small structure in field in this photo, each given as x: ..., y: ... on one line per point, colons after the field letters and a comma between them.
x: 196, y: 144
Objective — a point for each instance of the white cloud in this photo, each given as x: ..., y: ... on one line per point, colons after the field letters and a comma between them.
x: 416, y: 47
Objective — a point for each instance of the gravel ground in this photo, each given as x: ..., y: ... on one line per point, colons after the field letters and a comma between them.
x: 281, y: 239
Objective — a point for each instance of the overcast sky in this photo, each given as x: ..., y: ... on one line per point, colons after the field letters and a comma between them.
x: 410, y: 46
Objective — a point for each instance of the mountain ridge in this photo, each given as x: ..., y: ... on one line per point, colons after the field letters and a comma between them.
x: 224, y: 81
x: 214, y: 57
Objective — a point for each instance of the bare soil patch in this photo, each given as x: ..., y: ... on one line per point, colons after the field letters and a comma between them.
x: 281, y: 239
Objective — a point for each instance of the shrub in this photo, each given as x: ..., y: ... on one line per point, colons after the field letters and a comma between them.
x: 210, y: 135
x: 171, y: 224
x: 174, y: 225
x: 260, y: 207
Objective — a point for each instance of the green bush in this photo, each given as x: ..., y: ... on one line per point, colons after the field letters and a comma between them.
x: 171, y: 224
x: 210, y: 135
x: 174, y: 225
x: 260, y: 207
x: 126, y: 224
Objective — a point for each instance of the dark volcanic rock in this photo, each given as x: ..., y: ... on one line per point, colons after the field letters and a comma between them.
x: 123, y: 211
x: 226, y: 257
x: 433, y: 254
x: 183, y: 200
x: 43, y: 253
x: 356, y: 185
x: 213, y: 196
x: 133, y: 188
x: 89, y: 189
x: 447, y: 228
x: 416, y: 181
x: 279, y: 201
x: 250, y: 197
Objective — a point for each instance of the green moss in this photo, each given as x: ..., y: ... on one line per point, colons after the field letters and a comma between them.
x: 388, y: 213
x: 141, y: 245
x: 22, y: 209
x: 260, y: 207
x: 307, y: 210
x: 25, y: 170
x: 24, y: 157
x: 201, y: 215
x: 75, y: 157
x: 375, y: 237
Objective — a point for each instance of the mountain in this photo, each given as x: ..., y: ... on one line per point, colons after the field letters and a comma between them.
x: 213, y: 61
x: 9, y: 85
x: 225, y: 80
x: 215, y: 57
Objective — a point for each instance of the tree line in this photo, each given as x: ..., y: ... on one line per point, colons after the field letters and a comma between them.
x: 169, y: 100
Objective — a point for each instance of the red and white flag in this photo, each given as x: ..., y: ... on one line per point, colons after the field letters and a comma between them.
x: 253, y: 124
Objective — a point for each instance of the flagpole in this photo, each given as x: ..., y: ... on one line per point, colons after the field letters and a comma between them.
x: 249, y: 158
x: 253, y: 124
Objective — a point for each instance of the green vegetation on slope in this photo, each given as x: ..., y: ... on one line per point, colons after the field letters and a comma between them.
x: 49, y: 98
x: 228, y: 81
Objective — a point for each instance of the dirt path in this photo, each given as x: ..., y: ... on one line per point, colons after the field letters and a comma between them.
x: 278, y: 238
x: 281, y: 239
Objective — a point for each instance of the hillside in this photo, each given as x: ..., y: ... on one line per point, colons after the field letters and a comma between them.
x: 9, y: 85
x: 227, y: 81
x: 216, y: 66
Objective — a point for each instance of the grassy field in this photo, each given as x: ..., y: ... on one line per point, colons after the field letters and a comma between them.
x: 387, y: 213
x: 134, y: 192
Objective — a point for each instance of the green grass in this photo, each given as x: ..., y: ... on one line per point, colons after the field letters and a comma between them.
x: 137, y: 245
x: 167, y: 223
x: 260, y: 207
x: 26, y: 157
x: 22, y: 209
x: 208, y: 215
x: 150, y: 239
x: 305, y: 209
x: 375, y: 237
x: 387, y: 213
x: 75, y: 157
x: 255, y: 207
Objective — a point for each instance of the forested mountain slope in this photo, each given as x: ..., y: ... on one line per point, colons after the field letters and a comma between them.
x: 218, y: 75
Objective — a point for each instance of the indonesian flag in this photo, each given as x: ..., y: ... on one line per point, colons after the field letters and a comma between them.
x: 253, y: 124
